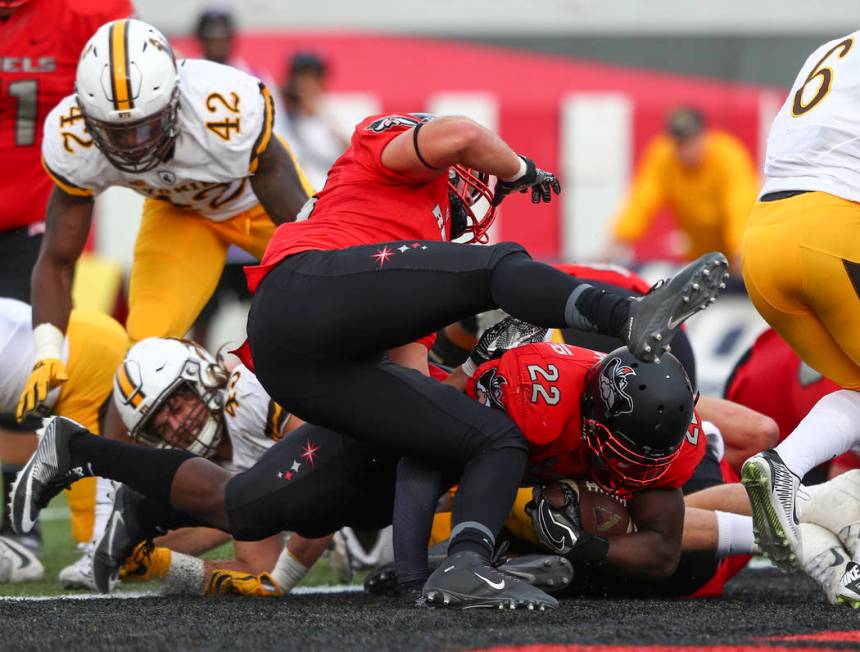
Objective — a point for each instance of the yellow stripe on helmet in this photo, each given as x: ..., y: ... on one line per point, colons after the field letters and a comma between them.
x: 120, y: 80
x: 130, y: 393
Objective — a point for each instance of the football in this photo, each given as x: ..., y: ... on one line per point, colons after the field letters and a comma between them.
x: 601, y: 513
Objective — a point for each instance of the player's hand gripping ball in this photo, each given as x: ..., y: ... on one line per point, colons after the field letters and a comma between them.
x: 556, y: 523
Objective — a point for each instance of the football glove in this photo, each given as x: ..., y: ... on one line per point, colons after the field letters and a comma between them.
x: 146, y: 563
x: 46, y: 375
x: 230, y: 582
x: 560, y: 528
x: 498, y: 338
x: 541, y: 182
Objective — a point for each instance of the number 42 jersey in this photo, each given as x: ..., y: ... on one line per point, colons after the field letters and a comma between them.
x: 540, y: 387
x: 814, y: 142
x: 225, y: 124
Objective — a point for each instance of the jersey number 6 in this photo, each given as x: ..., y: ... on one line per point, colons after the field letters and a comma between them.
x: 825, y: 77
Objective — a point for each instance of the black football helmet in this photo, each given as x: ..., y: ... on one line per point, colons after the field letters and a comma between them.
x: 635, y: 416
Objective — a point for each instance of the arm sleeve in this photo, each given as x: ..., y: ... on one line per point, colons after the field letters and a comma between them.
x: 741, y: 185
x: 645, y: 196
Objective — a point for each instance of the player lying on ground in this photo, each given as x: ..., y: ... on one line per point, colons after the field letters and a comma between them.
x: 376, y: 265
x: 195, y: 138
x: 172, y: 393
x: 801, y: 267
x: 313, y: 467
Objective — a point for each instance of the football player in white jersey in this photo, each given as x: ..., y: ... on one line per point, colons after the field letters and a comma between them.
x: 801, y: 266
x: 195, y: 138
x: 171, y: 393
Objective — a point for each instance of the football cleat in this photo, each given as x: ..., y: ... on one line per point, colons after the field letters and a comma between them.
x: 772, y: 490
x: 549, y: 573
x: 18, y: 563
x: 47, y: 473
x: 835, y: 505
x: 121, y: 535
x: 849, y: 586
x: 382, y: 581
x: 655, y: 317
x: 467, y: 580
x: 79, y: 575
x: 824, y: 558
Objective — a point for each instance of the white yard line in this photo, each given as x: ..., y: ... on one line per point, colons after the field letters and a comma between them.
x: 134, y: 595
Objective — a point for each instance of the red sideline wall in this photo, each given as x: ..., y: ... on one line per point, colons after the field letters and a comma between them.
x: 529, y: 88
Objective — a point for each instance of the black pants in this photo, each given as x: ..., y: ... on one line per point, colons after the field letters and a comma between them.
x: 321, y: 321
x: 314, y: 482
x: 18, y: 253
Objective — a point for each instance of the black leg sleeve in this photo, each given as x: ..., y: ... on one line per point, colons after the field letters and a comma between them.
x: 149, y: 471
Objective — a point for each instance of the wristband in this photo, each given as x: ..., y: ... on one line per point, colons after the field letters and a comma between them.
x: 469, y: 368
x: 589, y: 548
x: 520, y: 173
x: 48, y: 341
x: 288, y: 571
x: 185, y: 575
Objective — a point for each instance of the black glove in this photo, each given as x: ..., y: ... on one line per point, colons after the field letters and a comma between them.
x: 560, y: 528
x: 498, y: 338
x: 541, y: 182
x: 557, y: 528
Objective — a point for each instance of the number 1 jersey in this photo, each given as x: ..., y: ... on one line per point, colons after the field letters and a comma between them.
x: 39, y: 52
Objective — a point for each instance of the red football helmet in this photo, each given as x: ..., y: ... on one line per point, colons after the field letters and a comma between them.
x: 475, y: 196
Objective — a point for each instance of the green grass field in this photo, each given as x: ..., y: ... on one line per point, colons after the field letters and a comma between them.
x: 59, y: 551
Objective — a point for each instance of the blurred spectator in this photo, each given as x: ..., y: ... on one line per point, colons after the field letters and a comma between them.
x: 216, y: 31
x: 705, y: 176
x: 309, y: 129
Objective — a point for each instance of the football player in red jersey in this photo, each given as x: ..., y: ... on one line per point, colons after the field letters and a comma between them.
x: 373, y: 258
x: 39, y: 49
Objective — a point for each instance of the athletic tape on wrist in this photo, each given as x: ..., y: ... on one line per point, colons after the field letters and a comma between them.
x: 288, y: 571
x: 520, y: 173
x: 48, y: 341
x: 186, y: 575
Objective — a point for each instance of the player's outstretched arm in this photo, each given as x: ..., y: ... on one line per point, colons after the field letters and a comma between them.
x: 278, y: 184
x: 426, y: 151
x: 67, y: 226
x: 744, y: 431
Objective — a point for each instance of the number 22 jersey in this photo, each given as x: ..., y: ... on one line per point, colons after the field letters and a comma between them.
x: 540, y: 387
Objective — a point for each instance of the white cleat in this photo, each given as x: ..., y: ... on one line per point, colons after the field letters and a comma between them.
x: 835, y: 505
x: 849, y: 587
x: 18, y: 563
x: 824, y: 558
x: 772, y: 490
x: 79, y: 575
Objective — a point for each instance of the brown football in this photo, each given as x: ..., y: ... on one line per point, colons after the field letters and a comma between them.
x: 601, y: 512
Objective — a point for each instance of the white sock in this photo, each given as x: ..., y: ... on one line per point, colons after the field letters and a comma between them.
x: 185, y: 575
x: 104, y: 505
x: 288, y: 571
x: 831, y: 428
x: 734, y: 535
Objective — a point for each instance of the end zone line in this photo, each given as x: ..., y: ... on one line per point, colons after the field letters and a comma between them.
x: 136, y: 595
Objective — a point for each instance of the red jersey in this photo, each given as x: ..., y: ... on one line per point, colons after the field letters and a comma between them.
x: 364, y: 202
x: 39, y: 53
x: 770, y: 378
x: 540, y: 387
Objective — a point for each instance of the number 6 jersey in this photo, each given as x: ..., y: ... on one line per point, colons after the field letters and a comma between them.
x: 224, y: 121
x: 814, y: 142
x: 540, y: 387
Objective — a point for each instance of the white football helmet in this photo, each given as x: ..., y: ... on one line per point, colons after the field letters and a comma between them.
x: 152, y: 371
x: 127, y: 90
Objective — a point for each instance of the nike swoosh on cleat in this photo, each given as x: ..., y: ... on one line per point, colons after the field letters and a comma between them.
x: 25, y: 561
x: 673, y: 323
x: 528, y: 577
x: 493, y: 585
x: 27, y: 523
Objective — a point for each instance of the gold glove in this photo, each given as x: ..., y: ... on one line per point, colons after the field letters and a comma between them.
x: 46, y: 375
x: 146, y: 563
x: 230, y: 582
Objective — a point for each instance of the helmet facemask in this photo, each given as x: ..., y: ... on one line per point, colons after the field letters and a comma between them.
x: 471, y: 203
x: 137, y: 146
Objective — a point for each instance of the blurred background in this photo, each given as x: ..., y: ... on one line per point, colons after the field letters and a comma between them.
x: 654, y: 114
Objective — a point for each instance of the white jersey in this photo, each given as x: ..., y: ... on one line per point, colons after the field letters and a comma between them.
x: 17, y: 353
x: 224, y: 121
x: 814, y: 142
x: 253, y: 420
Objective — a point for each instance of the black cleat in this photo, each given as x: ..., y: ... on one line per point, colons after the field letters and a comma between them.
x: 655, y: 317
x: 122, y: 534
x: 47, y: 473
x: 467, y: 580
x: 382, y: 581
x: 549, y: 573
